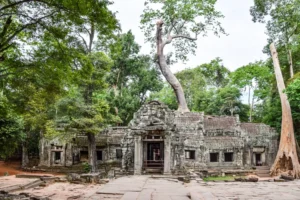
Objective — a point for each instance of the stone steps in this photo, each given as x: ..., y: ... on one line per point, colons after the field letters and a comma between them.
x: 263, y: 171
x: 154, y: 171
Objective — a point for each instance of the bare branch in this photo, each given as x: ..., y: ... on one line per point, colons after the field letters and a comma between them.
x: 181, y: 26
x: 185, y: 37
x: 84, y: 42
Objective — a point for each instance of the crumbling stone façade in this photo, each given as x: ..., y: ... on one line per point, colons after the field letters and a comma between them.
x: 161, y: 140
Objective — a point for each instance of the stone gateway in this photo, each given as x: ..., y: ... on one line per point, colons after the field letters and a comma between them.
x: 161, y: 140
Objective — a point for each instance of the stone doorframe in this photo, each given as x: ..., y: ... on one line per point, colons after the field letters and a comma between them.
x: 138, y: 152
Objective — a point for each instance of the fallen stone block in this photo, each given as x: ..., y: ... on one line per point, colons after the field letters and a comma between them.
x: 185, y: 179
x: 240, y: 179
x: 252, y: 178
x: 73, y: 177
x: 90, y: 178
x: 33, y: 175
x: 33, y: 184
x: 11, y: 189
x: 287, y: 177
x: 103, y: 181
x: 53, y: 178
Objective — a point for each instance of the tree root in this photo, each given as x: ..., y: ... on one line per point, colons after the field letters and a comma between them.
x: 284, y: 165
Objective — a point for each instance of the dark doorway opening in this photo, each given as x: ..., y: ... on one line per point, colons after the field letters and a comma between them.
x: 154, y: 155
x: 57, y: 156
x: 258, y: 159
x: 154, y: 151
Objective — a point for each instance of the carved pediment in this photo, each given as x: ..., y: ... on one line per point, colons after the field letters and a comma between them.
x: 153, y: 114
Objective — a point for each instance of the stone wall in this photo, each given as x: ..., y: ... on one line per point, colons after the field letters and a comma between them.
x: 191, y: 141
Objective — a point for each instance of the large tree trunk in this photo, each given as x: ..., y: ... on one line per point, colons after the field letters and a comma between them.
x: 170, y: 77
x: 286, y: 160
x: 92, y: 152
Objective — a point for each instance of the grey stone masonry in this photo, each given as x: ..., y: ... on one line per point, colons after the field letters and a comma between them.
x: 163, y: 140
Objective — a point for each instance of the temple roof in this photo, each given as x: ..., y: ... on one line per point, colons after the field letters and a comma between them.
x: 219, y: 122
x: 256, y: 128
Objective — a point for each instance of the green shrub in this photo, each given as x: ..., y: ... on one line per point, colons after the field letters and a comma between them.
x: 86, y: 167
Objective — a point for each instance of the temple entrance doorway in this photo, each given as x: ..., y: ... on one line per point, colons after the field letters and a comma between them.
x: 153, y: 154
x: 258, y: 161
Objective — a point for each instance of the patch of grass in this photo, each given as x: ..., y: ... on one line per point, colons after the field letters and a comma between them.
x: 221, y: 178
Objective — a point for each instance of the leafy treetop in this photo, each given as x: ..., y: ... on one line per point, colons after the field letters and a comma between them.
x: 182, y: 19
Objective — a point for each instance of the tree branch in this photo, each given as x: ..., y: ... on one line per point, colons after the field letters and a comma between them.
x: 19, y: 2
x: 185, y: 37
x: 84, y: 42
x: 170, y: 38
x: 36, y: 21
x: 7, y: 24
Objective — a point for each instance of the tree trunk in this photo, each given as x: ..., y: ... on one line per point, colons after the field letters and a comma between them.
x: 286, y: 160
x: 25, y: 159
x: 251, y: 107
x: 170, y: 77
x: 291, y: 64
x: 92, y: 152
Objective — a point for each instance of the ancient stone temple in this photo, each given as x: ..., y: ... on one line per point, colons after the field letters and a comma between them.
x: 161, y: 140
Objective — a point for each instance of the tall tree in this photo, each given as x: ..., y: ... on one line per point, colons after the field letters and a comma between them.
x: 59, y: 40
x: 178, y: 22
x: 286, y: 159
x: 282, y: 19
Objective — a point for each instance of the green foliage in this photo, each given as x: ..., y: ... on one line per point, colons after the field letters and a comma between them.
x: 282, y: 18
x: 165, y: 95
x: 132, y: 77
x: 44, y: 53
x: 11, y: 127
x: 254, y: 79
x: 86, y: 167
x: 220, y: 178
x: 293, y: 92
x: 256, y: 76
x: 28, y: 21
x: 207, y: 89
x: 199, y: 83
x: 182, y: 18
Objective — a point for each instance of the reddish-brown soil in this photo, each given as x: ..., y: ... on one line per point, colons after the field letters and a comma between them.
x: 10, y: 167
x: 14, y: 167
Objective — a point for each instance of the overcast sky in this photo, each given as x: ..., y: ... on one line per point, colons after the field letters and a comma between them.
x: 243, y: 45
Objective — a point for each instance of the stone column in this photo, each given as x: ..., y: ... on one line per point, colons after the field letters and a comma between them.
x: 167, y: 155
x: 123, y: 158
x: 137, y: 155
